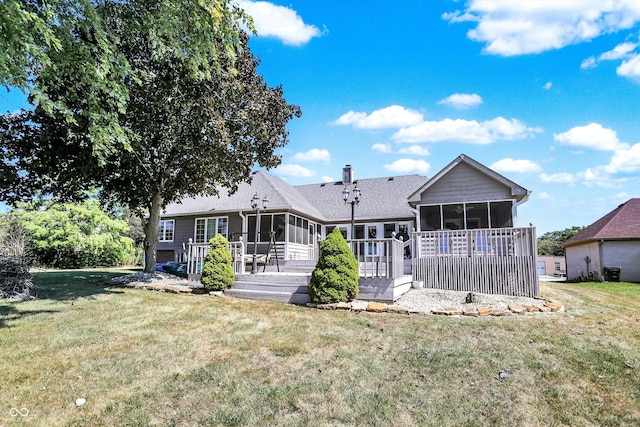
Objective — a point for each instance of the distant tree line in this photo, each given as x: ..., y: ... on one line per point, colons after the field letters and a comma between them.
x: 550, y: 243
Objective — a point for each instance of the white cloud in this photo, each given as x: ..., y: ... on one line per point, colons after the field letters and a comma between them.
x: 415, y: 150
x: 280, y: 22
x: 382, y: 148
x: 592, y: 136
x: 394, y: 116
x: 544, y: 196
x: 290, y: 169
x: 625, y: 160
x: 465, y: 131
x: 511, y: 165
x: 597, y: 176
x: 462, y: 101
x: 558, y: 178
x: 510, y: 27
x: 313, y: 155
x: 630, y: 68
x: 621, y: 51
x: 327, y: 179
x: 590, y: 62
x: 408, y: 166
x: 547, y: 85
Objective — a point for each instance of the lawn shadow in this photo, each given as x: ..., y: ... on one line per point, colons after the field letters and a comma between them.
x: 10, y: 312
x: 66, y: 285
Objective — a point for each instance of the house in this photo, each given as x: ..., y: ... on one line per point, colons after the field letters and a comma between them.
x: 611, y: 241
x: 549, y: 265
x: 465, y: 211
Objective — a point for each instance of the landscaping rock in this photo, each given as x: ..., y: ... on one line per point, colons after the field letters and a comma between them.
x: 472, y: 312
x: 358, y: 305
x: 449, y: 311
x: 326, y: 306
x: 216, y: 294
x: 397, y: 309
x: 517, y: 309
x: 501, y: 313
x: 545, y: 309
x: 532, y: 308
x: 377, y: 307
x: 554, y: 306
x: 343, y: 306
x: 483, y: 311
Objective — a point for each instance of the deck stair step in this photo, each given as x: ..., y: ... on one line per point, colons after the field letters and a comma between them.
x: 278, y: 287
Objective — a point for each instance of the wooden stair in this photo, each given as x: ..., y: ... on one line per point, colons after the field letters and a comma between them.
x: 289, y: 287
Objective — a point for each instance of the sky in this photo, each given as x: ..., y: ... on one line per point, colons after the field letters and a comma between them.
x: 545, y: 92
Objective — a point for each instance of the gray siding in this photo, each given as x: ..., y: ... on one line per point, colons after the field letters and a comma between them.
x: 576, y: 264
x: 185, y: 229
x: 623, y: 254
x: 465, y: 184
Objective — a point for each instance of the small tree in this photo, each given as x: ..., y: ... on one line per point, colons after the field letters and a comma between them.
x: 217, y: 272
x: 335, y: 277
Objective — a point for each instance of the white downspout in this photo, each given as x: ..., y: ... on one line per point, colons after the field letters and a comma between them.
x: 514, y: 209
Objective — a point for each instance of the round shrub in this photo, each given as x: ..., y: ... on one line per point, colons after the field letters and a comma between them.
x: 217, y: 272
x: 335, y: 277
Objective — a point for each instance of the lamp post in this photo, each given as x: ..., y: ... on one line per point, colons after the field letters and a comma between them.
x: 255, y: 205
x: 354, y: 201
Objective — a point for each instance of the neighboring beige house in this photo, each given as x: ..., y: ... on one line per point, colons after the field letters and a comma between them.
x: 551, y: 265
x: 611, y: 241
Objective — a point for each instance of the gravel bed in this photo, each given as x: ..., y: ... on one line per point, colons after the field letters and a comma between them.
x: 155, y: 278
x: 429, y: 299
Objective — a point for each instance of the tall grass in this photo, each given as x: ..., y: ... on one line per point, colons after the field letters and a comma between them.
x: 148, y: 358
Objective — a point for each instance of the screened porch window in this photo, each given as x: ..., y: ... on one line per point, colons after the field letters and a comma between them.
x: 458, y: 216
x: 268, y: 223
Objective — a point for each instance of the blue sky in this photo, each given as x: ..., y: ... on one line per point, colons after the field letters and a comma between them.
x: 545, y: 92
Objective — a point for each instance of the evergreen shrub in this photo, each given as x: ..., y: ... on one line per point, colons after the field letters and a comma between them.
x: 217, y: 272
x: 335, y: 277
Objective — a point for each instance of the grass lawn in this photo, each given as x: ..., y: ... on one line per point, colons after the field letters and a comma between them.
x: 149, y: 358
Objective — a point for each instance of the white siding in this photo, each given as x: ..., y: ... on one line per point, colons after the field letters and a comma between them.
x: 623, y: 254
x: 465, y: 184
x: 576, y: 265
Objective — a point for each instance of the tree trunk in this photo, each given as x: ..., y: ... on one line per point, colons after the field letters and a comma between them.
x: 151, y: 234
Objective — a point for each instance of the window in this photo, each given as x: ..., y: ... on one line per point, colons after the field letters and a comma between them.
x: 556, y: 266
x: 268, y: 223
x: 165, y: 230
x: 206, y: 228
x: 469, y: 216
x: 430, y: 218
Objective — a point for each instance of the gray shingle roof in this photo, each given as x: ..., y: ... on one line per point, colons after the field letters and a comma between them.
x: 381, y: 198
x: 281, y: 195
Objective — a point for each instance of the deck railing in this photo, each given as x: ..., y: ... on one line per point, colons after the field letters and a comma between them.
x: 197, y: 252
x: 379, y: 258
x: 495, y: 261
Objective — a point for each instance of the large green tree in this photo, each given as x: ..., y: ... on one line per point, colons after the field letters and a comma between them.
x: 550, y: 243
x: 46, y: 43
x: 193, y: 134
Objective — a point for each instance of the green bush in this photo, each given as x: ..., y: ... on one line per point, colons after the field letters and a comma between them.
x: 217, y: 273
x: 74, y: 235
x: 335, y: 277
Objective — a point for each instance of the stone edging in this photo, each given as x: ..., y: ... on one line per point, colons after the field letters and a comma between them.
x: 377, y: 307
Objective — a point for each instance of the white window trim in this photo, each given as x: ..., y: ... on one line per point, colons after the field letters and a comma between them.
x: 206, y: 219
x: 162, y: 238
